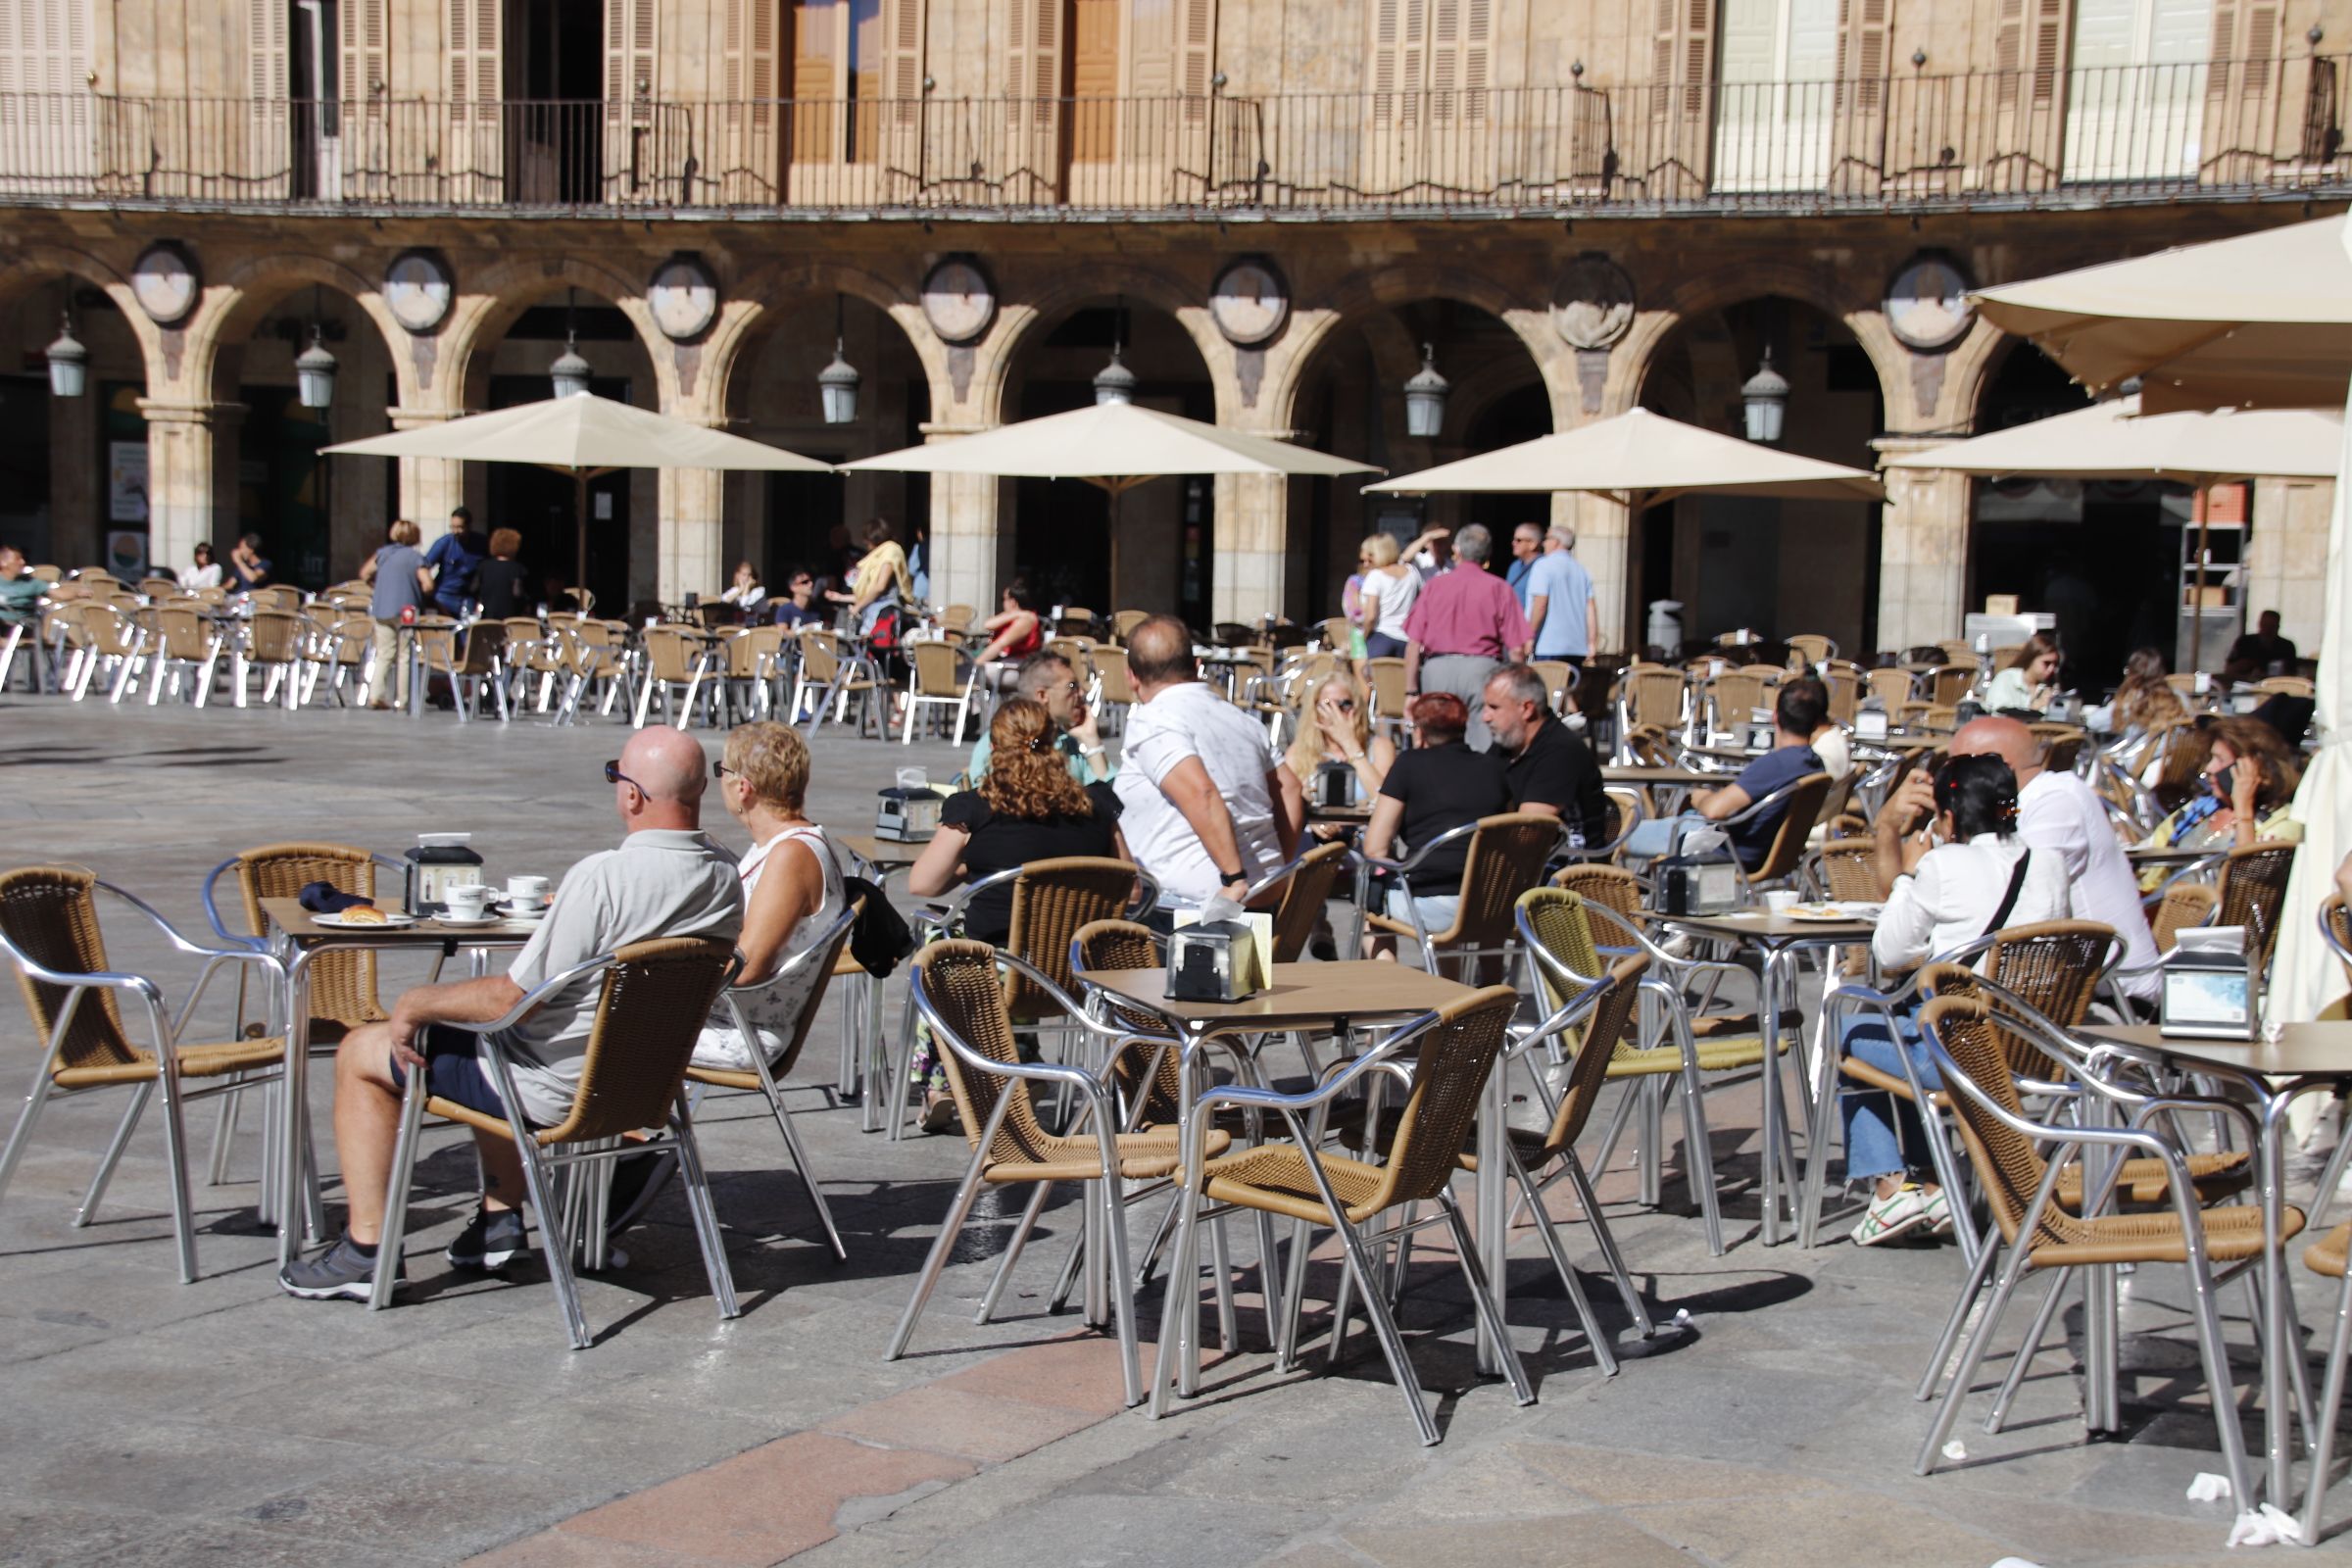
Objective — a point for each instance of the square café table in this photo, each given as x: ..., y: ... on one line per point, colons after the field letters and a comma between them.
x: 1778, y: 939
x: 1317, y: 996
x: 2276, y: 1072
x: 301, y: 941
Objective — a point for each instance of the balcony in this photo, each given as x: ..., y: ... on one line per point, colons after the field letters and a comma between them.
x: 2229, y: 130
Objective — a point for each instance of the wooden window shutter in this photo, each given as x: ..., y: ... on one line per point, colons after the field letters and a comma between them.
x: 2009, y: 49
x: 365, y: 61
x: 1478, y: 45
x: 2049, y: 48
x: 1681, y: 58
x: 265, y: 51
x: 1412, y: 59
x: 45, y: 47
x: 1385, y: 22
x: 474, y: 56
x: 628, y: 50
x: 1444, y: 49
x: 2257, y: 47
x: 1197, y: 52
x: 749, y: 61
x: 903, y: 77
x: 1862, y: 52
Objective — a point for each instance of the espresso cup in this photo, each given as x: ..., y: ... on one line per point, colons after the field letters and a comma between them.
x: 526, y: 892
x: 466, y: 902
x: 1779, y: 902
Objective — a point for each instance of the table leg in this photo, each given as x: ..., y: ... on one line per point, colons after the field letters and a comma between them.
x: 291, y: 1209
x: 1775, y: 963
x: 2283, y: 1338
x: 1494, y: 1240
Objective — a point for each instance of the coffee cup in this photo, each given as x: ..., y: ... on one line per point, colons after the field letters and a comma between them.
x: 465, y: 903
x: 526, y: 892
x: 1779, y: 902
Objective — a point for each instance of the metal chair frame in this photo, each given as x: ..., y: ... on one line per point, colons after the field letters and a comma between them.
x: 1404, y: 870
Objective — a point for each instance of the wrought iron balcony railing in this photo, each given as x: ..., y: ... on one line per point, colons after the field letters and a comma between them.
x: 2223, y: 130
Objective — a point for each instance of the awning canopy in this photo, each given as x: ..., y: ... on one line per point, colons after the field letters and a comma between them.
x: 2114, y: 440
x: 583, y: 431
x: 1643, y: 455
x: 1116, y: 445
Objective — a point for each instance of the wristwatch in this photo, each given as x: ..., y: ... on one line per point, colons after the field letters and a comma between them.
x: 1224, y: 876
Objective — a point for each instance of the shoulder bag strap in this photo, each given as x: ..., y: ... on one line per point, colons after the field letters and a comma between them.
x: 2017, y: 883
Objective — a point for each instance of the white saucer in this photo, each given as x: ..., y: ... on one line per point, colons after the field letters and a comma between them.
x: 511, y: 913
x: 479, y: 919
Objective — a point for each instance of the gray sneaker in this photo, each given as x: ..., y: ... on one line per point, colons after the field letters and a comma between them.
x: 492, y: 1239
x: 341, y: 1271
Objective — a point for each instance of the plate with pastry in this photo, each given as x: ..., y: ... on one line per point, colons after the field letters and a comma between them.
x: 362, y: 919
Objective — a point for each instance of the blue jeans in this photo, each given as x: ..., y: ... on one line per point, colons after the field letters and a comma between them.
x: 1879, y: 1126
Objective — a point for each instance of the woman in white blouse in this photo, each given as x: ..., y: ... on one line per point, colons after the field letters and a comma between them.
x: 1974, y: 877
x: 205, y: 573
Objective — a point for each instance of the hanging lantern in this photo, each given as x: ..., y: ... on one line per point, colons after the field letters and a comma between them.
x: 1115, y: 383
x: 69, y: 363
x: 1425, y: 397
x: 1764, y: 401
x: 315, y: 373
x: 837, y: 383
x: 569, y: 373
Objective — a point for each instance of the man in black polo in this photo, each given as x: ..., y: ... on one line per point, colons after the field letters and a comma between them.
x: 1551, y: 769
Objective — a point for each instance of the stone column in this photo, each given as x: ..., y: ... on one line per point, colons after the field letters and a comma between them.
x: 180, y: 477
x: 1252, y: 536
x: 1605, y: 548
x: 693, y: 513
x: 1923, y: 551
x: 965, y: 565
x: 431, y: 488
x: 2286, y: 558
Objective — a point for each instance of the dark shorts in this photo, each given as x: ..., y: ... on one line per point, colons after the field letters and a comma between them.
x: 1377, y: 645
x: 453, y: 1070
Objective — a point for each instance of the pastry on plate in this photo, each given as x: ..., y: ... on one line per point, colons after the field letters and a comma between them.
x: 365, y: 915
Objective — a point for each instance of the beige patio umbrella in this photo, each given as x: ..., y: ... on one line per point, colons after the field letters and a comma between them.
x: 2114, y: 440
x: 1116, y: 446
x: 587, y: 437
x: 1643, y: 458
x: 2263, y: 319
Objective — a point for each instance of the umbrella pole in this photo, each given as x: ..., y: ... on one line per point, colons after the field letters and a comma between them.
x: 1119, y: 493
x: 579, y: 511
x: 2196, y: 622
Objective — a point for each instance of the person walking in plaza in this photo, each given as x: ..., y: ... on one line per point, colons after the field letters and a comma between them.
x: 1527, y: 544
x: 792, y: 889
x: 880, y: 583
x: 1549, y: 768
x: 664, y: 880
x: 456, y: 559
x: 401, y: 585
x: 1046, y: 677
x: 1464, y: 626
x: 203, y: 572
x: 498, y: 582
x: 1208, y: 809
x: 1385, y: 597
x: 248, y: 567
x: 1563, y: 614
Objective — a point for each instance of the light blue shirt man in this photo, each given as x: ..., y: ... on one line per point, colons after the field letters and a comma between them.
x: 1560, y: 580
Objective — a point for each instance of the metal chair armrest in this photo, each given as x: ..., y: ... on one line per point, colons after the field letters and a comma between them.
x: 799, y: 960
x: 239, y: 953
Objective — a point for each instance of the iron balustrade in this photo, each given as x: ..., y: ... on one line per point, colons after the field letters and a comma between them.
x: 2215, y: 131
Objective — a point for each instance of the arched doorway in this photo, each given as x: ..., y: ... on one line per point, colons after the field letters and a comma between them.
x: 1775, y: 566
x: 1060, y: 528
x: 783, y: 521
x: 2102, y: 555
x: 623, y: 523
x: 74, y: 470
x: 1352, y: 402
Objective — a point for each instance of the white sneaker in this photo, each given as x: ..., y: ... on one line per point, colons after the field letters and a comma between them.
x: 1890, y: 1216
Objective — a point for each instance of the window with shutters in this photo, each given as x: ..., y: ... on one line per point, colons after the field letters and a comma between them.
x: 1433, y: 60
x: 44, y: 81
x: 2029, y: 51
x: 1776, y: 94
x: 857, y: 79
x: 2135, y: 80
x: 1033, y: 36
x: 629, y: 40
x: 1862, y: 53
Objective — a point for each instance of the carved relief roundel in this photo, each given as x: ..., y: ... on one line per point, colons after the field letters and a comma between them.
x: 1595, y: 305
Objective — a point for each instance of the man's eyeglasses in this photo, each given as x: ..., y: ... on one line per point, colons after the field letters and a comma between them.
x: 613, y: 775
x: 719, y: 769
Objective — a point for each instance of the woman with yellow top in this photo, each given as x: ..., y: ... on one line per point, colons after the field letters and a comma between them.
x: 880, y: 583
x: 2250, y: 788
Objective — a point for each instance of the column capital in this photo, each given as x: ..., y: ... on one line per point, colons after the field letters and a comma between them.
x: 1896, y: 444
x: 408, y: 418
x: 168, y: 411
x: 932, y: 431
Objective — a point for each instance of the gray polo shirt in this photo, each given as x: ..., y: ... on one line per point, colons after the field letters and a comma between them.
x: 662, y: 882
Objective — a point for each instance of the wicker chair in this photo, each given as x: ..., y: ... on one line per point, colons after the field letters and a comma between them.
x: 187, y: 647
x: 1726, y: 701
x: 765, y: 1077
x: 1386, y: 677
x: 679, y: 659
x: 1812, y: 648
x: 1455, y: 1051
x: 2326, y: 1258
x: 49, y: 929
x: 1506, y: 857
x: 111, y: 640
x: 821, y: 668
x: 1846, y: 871
x: 956, y: 991
x: 1650, y: 695
x: 932, y: 682
x: 2252, y: 892
x: 2006, y: 1147
x: 1307, y: 885
x: 651, y: 1001
x: 272, y: 642
x: 2182, y: 904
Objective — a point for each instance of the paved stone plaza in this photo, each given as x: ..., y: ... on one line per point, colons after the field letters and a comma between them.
x: 152, y: 1422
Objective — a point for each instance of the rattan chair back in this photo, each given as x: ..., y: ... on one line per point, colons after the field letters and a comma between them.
x: 2335, y: 921
x: 935, y: 669
x: 1125, y: 945
x: 1732, y: 697
x: 959, y: 979
x: 650, y: 1008
x: 2009, y: 1168
x: 185, y: 634
x: 2287, y: 686
x: 1451, y: 1062
x: 1052, y: 899
x: 278, y: 597
x: 2252, y: 891
x: 2054, y: 968
x: 670, y: 654
x: 820, y: 657
x: 485, y: 640
x: 1110, y: 669
x: 1949, y: 684
x: 1797, y: 818
x: 1849, y: 870
x: 803, y: 1022
x: 273, y: 637
x: 957, y: 618
x: 1559, y: 679
x: 1652, y: 694
x: 1506, y: 859
x: 2183, y: 905
x: 1387, y: 676
x: 343, y: 984
x: 1892, y: 687
x: 107, y: 631
x: 1846, y: 693
x: 1125, y: 622
x: 1304, y: 893
x: 49, y: 913
x: 1607, y: 1030
x: 438, y: 644
x: 1555, y: 917
x: 1811, y: 647
x: 1612, y: 887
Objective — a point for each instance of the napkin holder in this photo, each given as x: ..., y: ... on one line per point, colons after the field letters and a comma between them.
x: 1760, y: 737
x: 2210, y: 990
x: 1335, y: 785
x: 1870, y: 721
x: 1701, y: 877
x: 910, y: 811
x: 1216, y: 960
x: 433, y: 864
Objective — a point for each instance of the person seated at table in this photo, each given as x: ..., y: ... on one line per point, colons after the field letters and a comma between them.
x: 797, y: 609
x: 1025, y: 806
x: 1830, y: 743
x: 1046, y: 677
x: 19, y: 590
x: 1798, y: 710
x: 1014, y: 632
x: 745, y: 591
x: 498, y: 582
x: 2144, y: 700
x: 2246, y: 797
x: 1551, y: 770
x: 1337, y: 728
x: 792, y: 889
x: 2261, y: 652
x: 1209, y: 808
x: 2029, y: 683
x: 1439, y: 785
x: 664, y: 880
x: 1973, y: 877
x: 203, y: 572
x: 248, y: 567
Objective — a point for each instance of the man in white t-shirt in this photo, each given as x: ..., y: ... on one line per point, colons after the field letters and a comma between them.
x: 2060, y: 813
x: 1206, y: 805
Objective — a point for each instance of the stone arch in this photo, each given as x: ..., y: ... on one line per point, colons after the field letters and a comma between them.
x: 1745, y: 280
x: 747, y: 313
x: 238, y: 302
x: 489, y: 304
x: 1369, y: 293
x: 1970, y: 367
x: 29, y: 266
x: 1019, y: 325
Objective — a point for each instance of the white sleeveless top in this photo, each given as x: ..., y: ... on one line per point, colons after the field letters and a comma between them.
x: 772, y: 1010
